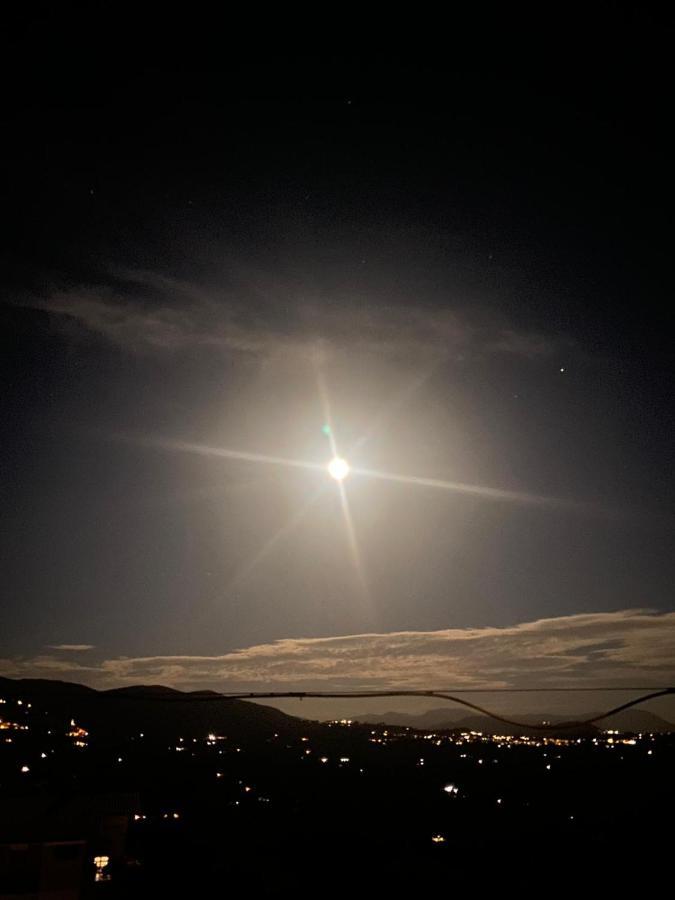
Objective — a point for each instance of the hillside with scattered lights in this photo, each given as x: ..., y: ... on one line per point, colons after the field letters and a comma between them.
x: 201, y: 807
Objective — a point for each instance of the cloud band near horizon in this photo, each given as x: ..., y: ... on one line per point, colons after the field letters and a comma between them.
x: 627, y: 647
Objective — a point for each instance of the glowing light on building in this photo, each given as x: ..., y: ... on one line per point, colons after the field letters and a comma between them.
x: 101, y: 862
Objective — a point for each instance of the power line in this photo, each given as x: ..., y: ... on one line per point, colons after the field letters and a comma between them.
x: 438, y: 694
x: 442, y: 695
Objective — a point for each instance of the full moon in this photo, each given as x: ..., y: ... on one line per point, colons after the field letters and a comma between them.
x: 338, y: 468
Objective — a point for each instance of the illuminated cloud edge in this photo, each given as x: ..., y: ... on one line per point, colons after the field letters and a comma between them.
x: 608, y: 648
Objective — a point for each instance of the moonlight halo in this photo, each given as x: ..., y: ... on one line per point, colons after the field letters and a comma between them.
x: 338, y: 468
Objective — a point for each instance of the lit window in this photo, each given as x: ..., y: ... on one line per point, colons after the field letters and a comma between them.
x: 101, y: 862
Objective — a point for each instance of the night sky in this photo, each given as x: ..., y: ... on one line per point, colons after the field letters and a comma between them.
x: 461, y: 260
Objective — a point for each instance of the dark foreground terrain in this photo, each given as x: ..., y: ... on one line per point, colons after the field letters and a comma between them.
x: 180, y: 795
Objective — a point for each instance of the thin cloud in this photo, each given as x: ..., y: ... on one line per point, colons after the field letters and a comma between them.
x: 622, y: 648
x: 143, y: 312
x: 69, y: 647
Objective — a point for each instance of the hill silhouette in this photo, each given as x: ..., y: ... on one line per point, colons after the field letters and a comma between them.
x: 163, y: 711
x: 152, y: 709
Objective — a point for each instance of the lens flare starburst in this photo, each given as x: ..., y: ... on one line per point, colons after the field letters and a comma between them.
x: 338, y: 468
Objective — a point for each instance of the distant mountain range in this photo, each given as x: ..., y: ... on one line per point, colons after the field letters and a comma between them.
x: 632, y: 720
x: 151, y: 709
x: 163, y: 711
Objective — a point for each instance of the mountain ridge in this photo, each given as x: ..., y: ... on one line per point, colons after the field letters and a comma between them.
x: 151, y: 709
x: 194, y: 713
x: 631, y: 720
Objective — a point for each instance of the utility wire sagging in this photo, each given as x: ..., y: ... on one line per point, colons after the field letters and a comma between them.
x: 439, y: 694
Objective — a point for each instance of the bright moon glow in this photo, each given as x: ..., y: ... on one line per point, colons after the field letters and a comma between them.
x: 338, y: 468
